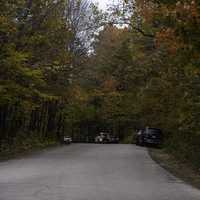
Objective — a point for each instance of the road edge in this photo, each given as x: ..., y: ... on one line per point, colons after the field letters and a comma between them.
x: 179, y: 169
x: 26, y: 153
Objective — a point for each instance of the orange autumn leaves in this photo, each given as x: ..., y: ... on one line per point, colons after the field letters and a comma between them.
x: 187, y: 10
x: 147, y: 9
x: 186, y: 17
x: 177, y: 19
x: 168, y: 39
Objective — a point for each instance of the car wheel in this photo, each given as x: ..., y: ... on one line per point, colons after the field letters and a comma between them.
x: 141, y: 141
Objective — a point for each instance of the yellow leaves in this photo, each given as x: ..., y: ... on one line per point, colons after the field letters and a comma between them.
x: 192, y: 71
x: 77, y: 94
x: 3, y: 19
x: 6, y: 25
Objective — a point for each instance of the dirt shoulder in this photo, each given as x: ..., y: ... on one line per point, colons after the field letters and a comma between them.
x: 182, y: 170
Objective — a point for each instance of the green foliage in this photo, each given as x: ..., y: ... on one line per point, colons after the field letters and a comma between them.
x: 148, y: 74
x: 42, y: 48
x: 145, y: 74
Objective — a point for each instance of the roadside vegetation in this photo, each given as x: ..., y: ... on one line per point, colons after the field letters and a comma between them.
x: 184, y: 170
x: 42, y: 45
x: 68, y: 68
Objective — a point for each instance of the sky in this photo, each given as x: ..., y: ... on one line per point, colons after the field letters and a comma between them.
x: 103, y: 3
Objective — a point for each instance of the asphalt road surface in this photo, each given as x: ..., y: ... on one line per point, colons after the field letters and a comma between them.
x: 91, y: 172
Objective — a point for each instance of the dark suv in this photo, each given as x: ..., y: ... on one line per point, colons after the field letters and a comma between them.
x: 149, y: 136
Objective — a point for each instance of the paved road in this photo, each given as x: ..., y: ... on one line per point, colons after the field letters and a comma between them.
x: 91, y: 172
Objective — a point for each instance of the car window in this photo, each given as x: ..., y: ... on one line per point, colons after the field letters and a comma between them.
x: 154, y: 131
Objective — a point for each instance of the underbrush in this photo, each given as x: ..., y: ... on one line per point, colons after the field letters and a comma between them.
x: 186, y: 148
x: 22, y: 145
x: 184, y: 170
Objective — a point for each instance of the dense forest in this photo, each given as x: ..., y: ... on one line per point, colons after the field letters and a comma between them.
x: 43, y: 45
x: 68, y: 68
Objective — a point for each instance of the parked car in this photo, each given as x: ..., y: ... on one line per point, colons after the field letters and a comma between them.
x: 149, y: 136
x: 103, y: 138
x: 67, y: 140
x: 114, y: 140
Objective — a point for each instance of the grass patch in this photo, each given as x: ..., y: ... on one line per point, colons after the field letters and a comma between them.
x: 22, y: 147
x: 128, y: 140
x: 183, y: 170
x: 130, y: 137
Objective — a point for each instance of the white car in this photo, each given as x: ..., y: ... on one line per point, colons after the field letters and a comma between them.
x: 67, y: 140
x: 102, y: 138
x: 98, y: 139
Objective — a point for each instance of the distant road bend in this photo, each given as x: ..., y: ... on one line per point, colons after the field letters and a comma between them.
x: 91, y: 172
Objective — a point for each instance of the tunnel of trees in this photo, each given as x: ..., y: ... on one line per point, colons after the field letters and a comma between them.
x: 68, y: 68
